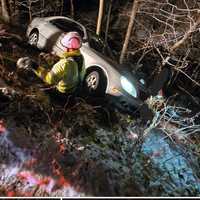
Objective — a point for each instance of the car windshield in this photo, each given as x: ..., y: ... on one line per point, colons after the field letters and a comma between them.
x: 99, y: 45
x: 67, y: 26
x: 95, y: 42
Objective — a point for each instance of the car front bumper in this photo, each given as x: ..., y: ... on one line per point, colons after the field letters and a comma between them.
x: 126, y: 102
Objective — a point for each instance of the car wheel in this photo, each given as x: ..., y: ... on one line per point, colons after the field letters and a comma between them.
x: 33, y: 38
x: 95, y: 83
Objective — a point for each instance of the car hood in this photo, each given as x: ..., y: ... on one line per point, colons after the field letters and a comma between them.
x: 93, y: 57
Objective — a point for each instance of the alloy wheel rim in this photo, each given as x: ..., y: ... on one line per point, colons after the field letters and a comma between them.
x: 33, y: 39
x: 92, y: 81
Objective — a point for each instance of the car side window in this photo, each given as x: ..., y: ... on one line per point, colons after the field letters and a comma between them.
x: 96, y: 43
x: 99, y: 45
x: 67, y: 26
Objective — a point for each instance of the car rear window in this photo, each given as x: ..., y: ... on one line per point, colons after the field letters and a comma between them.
x: 67, y: 26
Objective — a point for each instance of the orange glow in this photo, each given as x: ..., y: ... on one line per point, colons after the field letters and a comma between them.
x: 63, y: 182
x: 29, y: 177
x: 2, y: 127
x: 56, y: 167
x: 58, y: 140
x: 10, y: 194
x: 44, y: 181
x: 61, y: 148
x: 26, y: 194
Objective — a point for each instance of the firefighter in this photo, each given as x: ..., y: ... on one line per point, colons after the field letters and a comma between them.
x: 68, y: 73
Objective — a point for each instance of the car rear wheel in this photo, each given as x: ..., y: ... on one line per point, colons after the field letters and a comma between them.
x: 33, y: 38
x: 95, y: 82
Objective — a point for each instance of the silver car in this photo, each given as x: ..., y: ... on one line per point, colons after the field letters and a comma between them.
x: 103, y: 76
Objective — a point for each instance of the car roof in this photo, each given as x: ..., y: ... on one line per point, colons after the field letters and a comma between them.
x: 62, y: 17
x: 69, y: 19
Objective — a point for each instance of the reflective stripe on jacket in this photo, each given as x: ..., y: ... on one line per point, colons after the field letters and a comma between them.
x: 65, y: 74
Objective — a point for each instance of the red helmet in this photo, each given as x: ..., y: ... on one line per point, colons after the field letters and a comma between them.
x: 71, y: 40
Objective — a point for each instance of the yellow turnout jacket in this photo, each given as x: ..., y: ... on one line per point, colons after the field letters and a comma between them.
x: 65, y: 74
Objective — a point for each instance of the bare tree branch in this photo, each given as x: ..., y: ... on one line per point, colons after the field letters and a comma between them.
x: 186, y: 36
x: 129, y: 29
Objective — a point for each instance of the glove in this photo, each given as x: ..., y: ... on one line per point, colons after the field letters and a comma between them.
x: 27, y: 63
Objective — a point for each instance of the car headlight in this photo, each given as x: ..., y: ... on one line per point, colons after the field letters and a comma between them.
x: 128, y: 86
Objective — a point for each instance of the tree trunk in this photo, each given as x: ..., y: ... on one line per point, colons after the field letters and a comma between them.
x: 129, y: 29
x: 29, y: 10
x: 72, y: 8
x: 108, y: 21
x: 5, y: 12
x: 100, y: 16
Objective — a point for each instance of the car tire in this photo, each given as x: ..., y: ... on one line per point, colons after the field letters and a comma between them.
x: 33, y: 38
x: 95, y: 83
